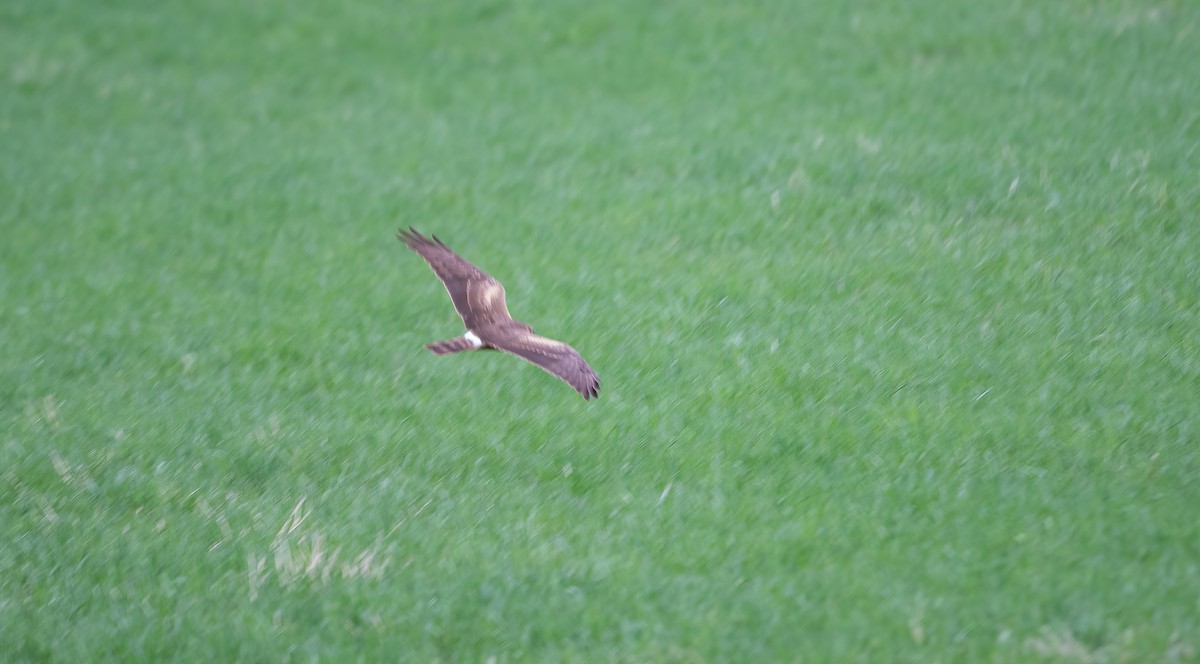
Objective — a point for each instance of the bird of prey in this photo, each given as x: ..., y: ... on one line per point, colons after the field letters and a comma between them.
x: 479, y: 299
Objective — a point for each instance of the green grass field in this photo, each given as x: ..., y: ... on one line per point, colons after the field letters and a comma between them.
x: 896, y: 309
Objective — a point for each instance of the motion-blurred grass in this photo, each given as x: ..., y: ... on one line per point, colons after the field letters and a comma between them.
x: 895, y: 307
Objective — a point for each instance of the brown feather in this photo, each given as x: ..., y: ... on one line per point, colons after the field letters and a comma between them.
x: 554, y: 356
x: 461, y: 278
x: 479, y: 300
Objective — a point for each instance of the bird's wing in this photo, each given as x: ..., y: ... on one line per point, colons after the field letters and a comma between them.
x: 477, y: 296
x: 555, y: 357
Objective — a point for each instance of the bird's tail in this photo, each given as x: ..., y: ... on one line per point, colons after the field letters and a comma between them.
x: 455, y: 345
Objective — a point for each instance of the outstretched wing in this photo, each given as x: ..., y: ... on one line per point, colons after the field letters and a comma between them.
x: 477, y: 296
x: 553, y: 356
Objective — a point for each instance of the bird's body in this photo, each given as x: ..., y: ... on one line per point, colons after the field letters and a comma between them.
x: 479, y: 300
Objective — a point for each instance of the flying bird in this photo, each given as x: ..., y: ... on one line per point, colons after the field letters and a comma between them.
x: 479, y: 299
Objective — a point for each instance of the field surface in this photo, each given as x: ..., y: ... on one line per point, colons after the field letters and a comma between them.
x: 896, y: 309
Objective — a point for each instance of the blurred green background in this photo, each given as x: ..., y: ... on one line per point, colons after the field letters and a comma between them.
x: 895, y: 308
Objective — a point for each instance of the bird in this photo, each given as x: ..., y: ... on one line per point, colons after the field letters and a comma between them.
x: 479, y: 299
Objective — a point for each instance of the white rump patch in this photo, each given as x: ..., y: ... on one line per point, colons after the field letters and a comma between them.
x: 476, y: 342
